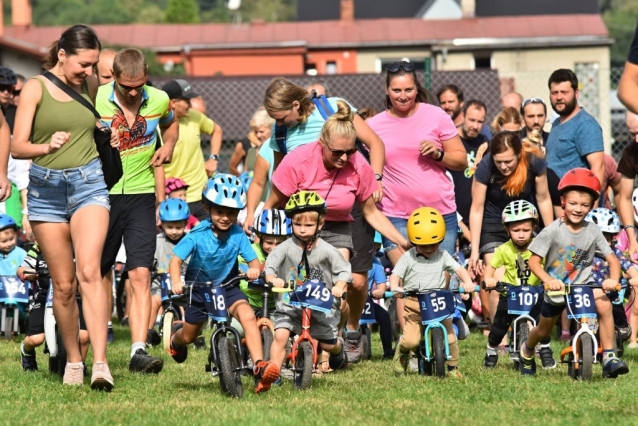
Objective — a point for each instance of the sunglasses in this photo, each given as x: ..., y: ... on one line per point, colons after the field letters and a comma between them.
x: 6, y: 88
x: 338, y: 153
x: 396, y: 66
x: 130, y: 88
x: 17, y: 92
x: 532, y: 101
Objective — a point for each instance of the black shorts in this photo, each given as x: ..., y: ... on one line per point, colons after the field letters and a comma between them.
x: 492, y: 235
x: 549, y: 311
x: 197, y: 209
x: 36, y: 316
x: 196, y: 310
x: 552, y: 183
x: 362, y: 241
x: 132, y: 217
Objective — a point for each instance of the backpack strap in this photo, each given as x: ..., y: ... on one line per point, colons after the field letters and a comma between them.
x: 322, y: 104
x: 281, y: 132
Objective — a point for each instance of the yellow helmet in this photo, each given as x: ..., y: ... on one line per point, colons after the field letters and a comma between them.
x: 304, y: 201
x: 426, y: 226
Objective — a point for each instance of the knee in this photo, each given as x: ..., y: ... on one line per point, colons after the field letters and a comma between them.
x: 359, y: 282
x: 64, y: 292
x: 35, y: 340
x: 84, y: 337
x: 330, y: 348
x: 89, y: 273
x: 140, y: 278
x: 410, y: 340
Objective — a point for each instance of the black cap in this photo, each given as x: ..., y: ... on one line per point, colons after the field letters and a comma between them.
x: 179, y: 89
x: 7, y: 76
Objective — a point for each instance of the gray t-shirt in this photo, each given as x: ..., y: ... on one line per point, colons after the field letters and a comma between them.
x: 569, y: 255
x: 421, y: 273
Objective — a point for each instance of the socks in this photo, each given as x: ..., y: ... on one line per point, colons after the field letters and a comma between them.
x: 491, y: 351
x: 25, y: 352
x: 527, y: 351
x: 544, y: 345
x: 109, y: 324
x: 136, y: 346
x: 452, y: 367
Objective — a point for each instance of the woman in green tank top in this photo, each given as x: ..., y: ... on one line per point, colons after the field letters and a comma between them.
x: 67, y: 199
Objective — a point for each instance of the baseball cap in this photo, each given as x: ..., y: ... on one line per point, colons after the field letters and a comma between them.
x: 179, y: 89
x: 173, y: 184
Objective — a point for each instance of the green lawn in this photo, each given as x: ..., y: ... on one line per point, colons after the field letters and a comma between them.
x: 368, y: 393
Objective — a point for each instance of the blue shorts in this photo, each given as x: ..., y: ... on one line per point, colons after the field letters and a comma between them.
x: 55, y: 195
x: 449, y: 242
x: 196, y: 310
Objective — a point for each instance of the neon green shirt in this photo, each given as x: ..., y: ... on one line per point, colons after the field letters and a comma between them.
x: 137, y: 142
x: 254, y: 296
x: 506, y: 255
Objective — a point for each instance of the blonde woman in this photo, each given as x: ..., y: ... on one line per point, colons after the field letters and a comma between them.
x: 246, y: 150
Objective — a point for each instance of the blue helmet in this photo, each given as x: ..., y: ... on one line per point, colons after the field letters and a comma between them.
x: 606, y: 220
x: 246, y: 178
x: 225, y: 190
x: 174, y: 210
x: 273, y: 222
x: 7, y: 222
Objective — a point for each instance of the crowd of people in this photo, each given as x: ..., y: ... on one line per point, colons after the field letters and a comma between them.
x: 312, y: 193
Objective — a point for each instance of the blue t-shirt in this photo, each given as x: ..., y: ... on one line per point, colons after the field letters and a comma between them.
x: 211, y: 258
x: 9, y: 263
x: 376, y: 274
x: 571, y: 142
x: 307, y: 132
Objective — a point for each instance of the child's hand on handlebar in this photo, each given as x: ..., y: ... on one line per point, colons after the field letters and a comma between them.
x: 468, y: 287
x: 490, y: 282
x: 252, y: 274
x: 177, y: 287
x: 633, y: 281
x: 610, y: 285
x: 554, y: 285
x: 278, y: 282
x: 337, y: 291
x: 465, y: 296
x: 398, y: 292
x: 378, y: 294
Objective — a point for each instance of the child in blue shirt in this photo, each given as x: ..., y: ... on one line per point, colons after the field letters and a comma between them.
x: 377, y: 285
x: 213, y: 247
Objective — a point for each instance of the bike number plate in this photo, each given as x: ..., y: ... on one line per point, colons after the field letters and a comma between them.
x: 522, y: 299
x: 215, y: 301
x: 368, y: 312
x: 313, y: 295
x: 581, y: 303
x: 165, y: 285
x: 12, y: 290
x: 49, y: 303
x: 436, y: 306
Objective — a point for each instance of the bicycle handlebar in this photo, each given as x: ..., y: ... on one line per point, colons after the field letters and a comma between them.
x: 197, y: 284
x: 391, y: 293
x: 590, y: 285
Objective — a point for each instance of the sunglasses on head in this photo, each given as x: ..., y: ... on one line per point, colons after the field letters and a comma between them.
x: 532, y: 101
x: 396, y: 66
x: 338, y: 153
x: 130, y: 88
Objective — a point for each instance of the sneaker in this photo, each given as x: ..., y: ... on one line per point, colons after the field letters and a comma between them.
x: 490, y: 361
x: 153, y: 338
x: 339, y: 362
x: 266, y: 373
x: 110, y: 337
x: 400, y: 361
x: 200, y: 343
x: 101, y: 378
x: 179, y: 354
x: 124, y: 322
x: 142, y: 362
x: 28, y: 359
x: 526, y: 365
x: 632, y: 346
x: 614, y: 367
x: 454, y: 372
x: 73, y: 374
x: 547, y: 358
x: 625, y: 333
x: 353, y: 345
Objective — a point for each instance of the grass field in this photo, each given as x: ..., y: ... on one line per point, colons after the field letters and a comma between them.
x: 368, y: 393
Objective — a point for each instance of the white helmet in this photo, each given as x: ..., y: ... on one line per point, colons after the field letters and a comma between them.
x: 519, y: 210
x: 273, y: 222
x: 606, y: 220
x: 634, y: 201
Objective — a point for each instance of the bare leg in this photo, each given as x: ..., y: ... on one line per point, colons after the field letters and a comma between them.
x: 140, y: 297
x: 394, y: 255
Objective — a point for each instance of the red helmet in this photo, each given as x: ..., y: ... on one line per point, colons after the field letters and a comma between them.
x: 580, y: 178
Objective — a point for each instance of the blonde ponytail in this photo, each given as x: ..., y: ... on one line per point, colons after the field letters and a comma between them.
x: 340, y: 124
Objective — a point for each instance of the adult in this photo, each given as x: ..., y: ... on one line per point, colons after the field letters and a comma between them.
x: 628, y: 168
x: 451, y: 100
x: 293, y: 110
x: 134, y: 110
x: 245, y: 152
x: 534, y: 112
x: 628, y: 84
x: 576, y: 139
x: 320, y: 88
x: 17, y: 90
x: 508, y: 119
x: 67, y: 197
x: 105, y: 66
x: 188, y: 159
x: 512, y: 100
x: 8, y: 82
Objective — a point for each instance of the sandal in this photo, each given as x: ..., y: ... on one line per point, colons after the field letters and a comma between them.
x: 324, y: 367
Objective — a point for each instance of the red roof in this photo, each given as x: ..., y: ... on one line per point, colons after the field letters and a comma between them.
x: 325, y: 34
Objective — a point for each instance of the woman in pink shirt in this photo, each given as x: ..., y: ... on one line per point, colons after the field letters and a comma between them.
x: 421, y: 141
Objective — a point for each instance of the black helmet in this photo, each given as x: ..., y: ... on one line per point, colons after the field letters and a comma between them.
x: 7, y: 76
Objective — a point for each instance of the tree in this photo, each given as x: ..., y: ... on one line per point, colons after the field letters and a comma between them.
x: 182, y: 12
x: 620, y: 19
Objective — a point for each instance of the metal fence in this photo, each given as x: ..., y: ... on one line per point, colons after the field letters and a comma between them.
x: 231, y: 101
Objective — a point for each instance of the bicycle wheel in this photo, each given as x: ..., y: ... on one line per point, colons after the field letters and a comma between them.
x: 367, y: 348
x: 438, y: 346
x: 394, y: 320
x: 266, y: 343
x: 8, y: 328
x: 167, y: 325
x: 521, y: 335
x: 228, y: 367
x: 303, y: 366
x: 425, y: 366
x: 618, y: 343
x: 586, y: 356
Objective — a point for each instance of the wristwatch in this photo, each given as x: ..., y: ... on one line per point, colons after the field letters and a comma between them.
x: 441, y: 156
x: 213, y: 157
x: 378, y: 176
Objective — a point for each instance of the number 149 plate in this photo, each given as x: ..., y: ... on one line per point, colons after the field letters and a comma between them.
x: 314, y: 295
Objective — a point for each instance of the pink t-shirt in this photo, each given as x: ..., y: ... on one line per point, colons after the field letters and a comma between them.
x: 411, y: 180
x: 303, y: 169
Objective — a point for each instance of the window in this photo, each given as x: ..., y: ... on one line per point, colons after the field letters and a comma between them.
x: 331, y: 67
x: 310, y: 69
x: 482, y: 61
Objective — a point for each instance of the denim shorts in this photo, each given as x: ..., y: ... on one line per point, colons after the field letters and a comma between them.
x: 451, y: 232
x: 55, y: 195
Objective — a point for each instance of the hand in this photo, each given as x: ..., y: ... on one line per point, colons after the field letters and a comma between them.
x: 490, y: 282
x: 465, y: 296
x: 57, y: 141
x: 5, y: 188
x: 610, y: 285
x: 177, y: 287
x: 26, y: 228
x: 210, y: 166
x: 158, y: 221
x: 476, y: 264
x: 468, y: 287
x: 406, y: 245
x: 378, y: 194
x: 633, y: 250
x: 337, y: 291
x: 162, y: 156
x: 115, y: 139
x: 278, y: 282
x: 398, y: 292
x: 633, y: 281
x: 429, y: 149
x: 252, y: 274
x: 378, y: 294
x: 554, y: 285
x: 248, y: 223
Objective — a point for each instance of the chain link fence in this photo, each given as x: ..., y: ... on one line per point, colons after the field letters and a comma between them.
x: 231, y: 101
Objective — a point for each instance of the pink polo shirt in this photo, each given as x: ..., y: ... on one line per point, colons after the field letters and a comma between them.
x: 411, y: 180
x: 303, y: 169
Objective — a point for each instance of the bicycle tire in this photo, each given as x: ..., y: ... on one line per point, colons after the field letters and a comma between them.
x: 120, y: 299
x: 438, y: 345
x: 394, y: 320
x: 522, y: 333
x: 586, y: 355
x: 167, y: 326
x: 266, y: 343
x: 367, y: 349
x: 303, y: 366
x: 618, y: 343
x: 61, y: 353
x: 8, y: 329
x: 228, y: 365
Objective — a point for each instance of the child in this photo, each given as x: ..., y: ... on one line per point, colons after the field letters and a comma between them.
x: 568, y: 245
x: 423, y: 268
x: 377, y: 285
x: 306, y: 256
x: 173, y: 214
x: 176, y: 188
x: 213, y: 247
x: 519, y: 218
x: 609, y: 222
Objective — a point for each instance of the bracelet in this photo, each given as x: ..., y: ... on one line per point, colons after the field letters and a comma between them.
x: 438, y: 160
x: 213, y: 157
x: 629, y: 226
